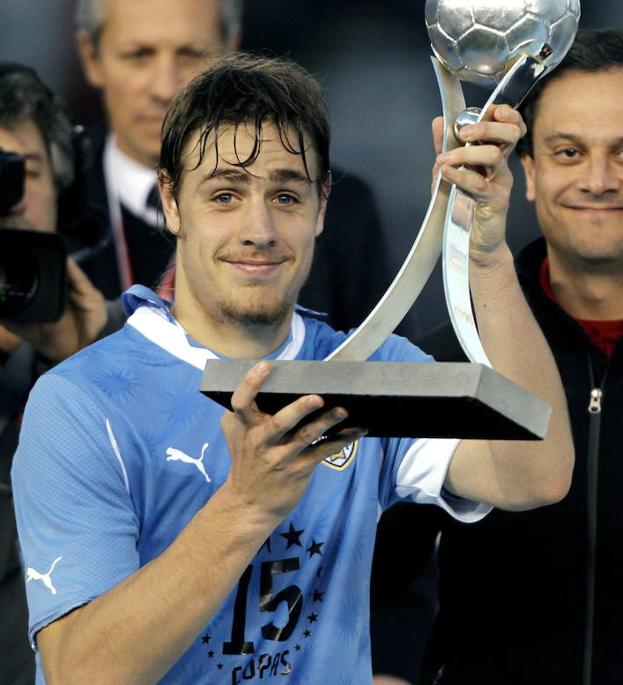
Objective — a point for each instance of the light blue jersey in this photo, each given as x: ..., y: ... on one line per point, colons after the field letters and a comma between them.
x: 118, y: 452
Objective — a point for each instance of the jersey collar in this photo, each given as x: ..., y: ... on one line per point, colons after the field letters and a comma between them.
x: 152, y: 317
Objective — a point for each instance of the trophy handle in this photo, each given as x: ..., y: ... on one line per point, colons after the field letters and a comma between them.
x: 513, y: 88
x: 420, y: 262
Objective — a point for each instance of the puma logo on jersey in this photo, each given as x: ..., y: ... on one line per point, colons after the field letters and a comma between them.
x: 45, y: 578
x: 177, y: 455
x: 342, y: 459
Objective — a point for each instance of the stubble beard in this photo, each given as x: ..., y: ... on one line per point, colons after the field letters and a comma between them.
x: 256, y: 310
x: 254, y: 317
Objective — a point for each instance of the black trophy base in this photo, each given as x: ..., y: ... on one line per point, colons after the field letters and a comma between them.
x: 397, y: 399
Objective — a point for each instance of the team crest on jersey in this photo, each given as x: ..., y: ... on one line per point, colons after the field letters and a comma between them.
x: 343, y: 459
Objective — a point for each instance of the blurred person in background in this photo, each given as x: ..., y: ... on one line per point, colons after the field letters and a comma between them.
x: 34, y: 126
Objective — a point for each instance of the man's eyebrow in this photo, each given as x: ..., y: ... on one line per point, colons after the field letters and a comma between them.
x: 240, y: 176
x: 207, y: 48
x: 33, y: 156
x: 558, y: 135
x: 575, y: 139
x: 231, y: 175
x: 135, y: 44
x: 285, y: 175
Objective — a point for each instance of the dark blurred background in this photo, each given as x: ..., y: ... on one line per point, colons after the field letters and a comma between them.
x: 373, y: 58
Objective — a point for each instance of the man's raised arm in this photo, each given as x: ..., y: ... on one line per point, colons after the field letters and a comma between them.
x: 508, y: 474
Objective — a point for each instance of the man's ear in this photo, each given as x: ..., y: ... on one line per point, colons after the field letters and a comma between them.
x: 325, y: 191
x: 89, y: 58
x: 527, y: 162
x: 169, y: 204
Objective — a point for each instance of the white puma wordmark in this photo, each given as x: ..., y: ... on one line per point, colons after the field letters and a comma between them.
x: 45, y: 578
x: 177, y: 455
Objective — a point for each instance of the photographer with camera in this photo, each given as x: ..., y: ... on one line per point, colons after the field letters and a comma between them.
x: 36, y: 166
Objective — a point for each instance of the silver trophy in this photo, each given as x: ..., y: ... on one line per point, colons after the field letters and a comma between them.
x: 480, y: 40
x: 508, y: 45
x: 505, y: 44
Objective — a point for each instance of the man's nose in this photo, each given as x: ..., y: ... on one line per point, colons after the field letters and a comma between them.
x: 602, y: 175
x: 166, y: 79
x: 258, y: 227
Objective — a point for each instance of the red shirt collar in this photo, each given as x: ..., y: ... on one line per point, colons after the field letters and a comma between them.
x: 604, y: 335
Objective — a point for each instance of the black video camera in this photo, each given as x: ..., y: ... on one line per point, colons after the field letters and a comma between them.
x: 32, y: 263
x: 12, y: 172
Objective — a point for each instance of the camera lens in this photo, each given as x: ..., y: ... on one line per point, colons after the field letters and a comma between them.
x: 19, y: 283
x: 32, y: 275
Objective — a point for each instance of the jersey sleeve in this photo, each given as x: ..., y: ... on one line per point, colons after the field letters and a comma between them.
x: 418, y: 473
x: 77, y: 525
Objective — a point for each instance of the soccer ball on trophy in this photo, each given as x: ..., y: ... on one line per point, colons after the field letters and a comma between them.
x: 478, y: 40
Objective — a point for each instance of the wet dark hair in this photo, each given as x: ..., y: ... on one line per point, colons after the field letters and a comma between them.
x: 24, y: 97
x: 592, y: 50
x: 248, y: 90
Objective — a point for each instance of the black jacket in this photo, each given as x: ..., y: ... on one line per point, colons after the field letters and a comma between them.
x: 149, y: 247
x: 516, y: 589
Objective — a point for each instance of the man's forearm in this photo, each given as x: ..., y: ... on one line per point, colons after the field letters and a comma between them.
x: 118, y: 637
x: 519, y: 475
